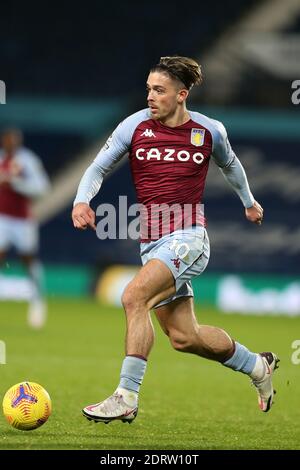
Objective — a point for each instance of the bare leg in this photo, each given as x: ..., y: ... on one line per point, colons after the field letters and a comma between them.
x: 151, y: 285
x: 179, y: 322
x: 2, y: 257
x: 27, y: 260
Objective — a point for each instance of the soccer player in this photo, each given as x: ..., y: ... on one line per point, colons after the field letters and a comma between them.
x: 169, y: 150
x: 22, y: 178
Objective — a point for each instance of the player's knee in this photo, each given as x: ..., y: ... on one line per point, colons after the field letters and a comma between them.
x: 127, y: 299
x: 132, y: 299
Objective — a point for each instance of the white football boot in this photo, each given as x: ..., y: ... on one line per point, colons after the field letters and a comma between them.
x: 264, y: 386
x: 113, y: 408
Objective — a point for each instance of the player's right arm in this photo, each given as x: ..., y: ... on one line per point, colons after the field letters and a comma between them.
x: 28, y: 176
x: 114, y: 149
x: 90, y: 184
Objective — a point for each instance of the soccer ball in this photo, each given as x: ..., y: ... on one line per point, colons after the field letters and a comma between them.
x: 26, y: 406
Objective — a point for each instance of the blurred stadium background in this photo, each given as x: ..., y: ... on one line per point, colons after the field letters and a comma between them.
x: 72, y: 73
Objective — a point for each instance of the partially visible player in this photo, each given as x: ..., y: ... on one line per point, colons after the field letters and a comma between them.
x: 22, y: 179
x: 170, y: 148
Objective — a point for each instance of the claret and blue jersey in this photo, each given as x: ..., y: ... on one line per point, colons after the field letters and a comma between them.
x: 169, y: 164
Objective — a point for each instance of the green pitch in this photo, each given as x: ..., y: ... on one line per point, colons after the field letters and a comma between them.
x: 186, y: 402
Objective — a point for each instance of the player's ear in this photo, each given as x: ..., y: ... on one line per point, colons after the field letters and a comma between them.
x: 182, y: 95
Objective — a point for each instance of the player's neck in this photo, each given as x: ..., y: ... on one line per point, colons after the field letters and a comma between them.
x: 181, y: 116
x: 9, y: 150
x: 9, y: 154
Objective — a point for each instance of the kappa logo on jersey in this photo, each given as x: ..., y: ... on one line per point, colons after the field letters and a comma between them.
x: 197, y: 137
x: 148, y: 133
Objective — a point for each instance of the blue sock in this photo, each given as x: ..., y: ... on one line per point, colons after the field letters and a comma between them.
x: 242, y: 360
x: 132, y: 373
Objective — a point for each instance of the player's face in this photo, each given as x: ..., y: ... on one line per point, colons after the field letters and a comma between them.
x: 10, y: 141
x: 163, y: 95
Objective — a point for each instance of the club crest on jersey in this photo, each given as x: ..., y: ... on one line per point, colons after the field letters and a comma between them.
x: 197, y: 137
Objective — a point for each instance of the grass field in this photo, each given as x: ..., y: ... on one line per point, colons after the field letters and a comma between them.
x: 186, y: 402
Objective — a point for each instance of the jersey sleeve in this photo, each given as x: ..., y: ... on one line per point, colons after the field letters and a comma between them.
x: 116, y: 146
x: 33, y: 181
x: 230, y: 165
x: 111, y: 153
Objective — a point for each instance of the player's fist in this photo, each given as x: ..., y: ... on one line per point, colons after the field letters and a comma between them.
x: 255, y: 213
x: 83, y: 216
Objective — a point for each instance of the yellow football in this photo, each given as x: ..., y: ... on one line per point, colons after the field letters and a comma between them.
x: 26, y: 406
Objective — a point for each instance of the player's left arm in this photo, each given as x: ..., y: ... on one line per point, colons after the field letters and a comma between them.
x: 234, y: 173
x: 31, y: 180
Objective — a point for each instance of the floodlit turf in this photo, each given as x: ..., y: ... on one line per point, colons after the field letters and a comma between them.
x: 186, y: 402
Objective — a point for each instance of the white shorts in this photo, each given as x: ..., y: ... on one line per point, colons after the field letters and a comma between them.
x: 185, y: 252
x: 21, y: 234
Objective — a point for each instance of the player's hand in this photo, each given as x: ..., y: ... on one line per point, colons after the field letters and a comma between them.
x: 83, y: 216
x: 255, y: 213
